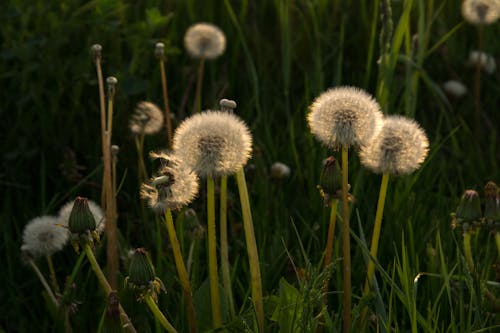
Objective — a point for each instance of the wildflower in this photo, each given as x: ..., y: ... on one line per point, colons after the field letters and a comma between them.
x: 141, y: 274
x: 146, y: 119
x: 280, y: 170
x: 455, y: 88
x: 95, y: 209
x: 213, y: 143
x: 344, y: 116
x: 42, y: 236
x: 399, y: 148
x: 173, y: 186
x: 484, y: 60
x: 204, y: 41
x: 481, y: 11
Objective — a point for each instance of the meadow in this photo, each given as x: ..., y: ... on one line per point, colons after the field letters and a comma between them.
x: 279, y: 56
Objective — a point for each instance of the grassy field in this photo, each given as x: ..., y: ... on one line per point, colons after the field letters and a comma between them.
x: 280, y: 55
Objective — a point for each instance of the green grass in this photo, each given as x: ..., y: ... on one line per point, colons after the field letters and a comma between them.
x: 280, y: 55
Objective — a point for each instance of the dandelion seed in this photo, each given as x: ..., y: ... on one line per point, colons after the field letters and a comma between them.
x: 173, y: 186
x: 213, y: 143
x: 146, y: 119
x: 481, y: 11
x: 344, y: 116
x: 204, y: 41
x: 95, y: 209
x: 42, y: 236
x: 399, y: 148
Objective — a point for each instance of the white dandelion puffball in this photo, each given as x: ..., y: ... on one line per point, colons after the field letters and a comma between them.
x: 95, y: 209
x: 42, y: 236
x: 173, y: 185
x: 455, y: 88
x: 204, y: 41
x: 146, y: 119
x: 213, y: 143
x: 399, y: 148
x: 481, y: 11
x: 344, y: 116
x: 280, y: 170
x: 484, y: 60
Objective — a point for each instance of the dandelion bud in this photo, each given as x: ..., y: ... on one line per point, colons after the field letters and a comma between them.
x: 331, y: 177
x: 81, y: 220
x: 469, y: 209
x: 227, y: 104
x: 159, y: 51
x: 491, y: 202
x: 280, y: 170
x: 96, y: 52
x: 141, y: 272
x: 204, y: 41
x: 97, y: 213
x: 111, y: 81
x: 115, y: 150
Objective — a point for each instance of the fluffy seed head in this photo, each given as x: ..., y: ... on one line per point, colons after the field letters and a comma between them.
x: 146, y: 119
x: 173, y: 186
x: 43, y: 236
x: 344, y: 116
x: 280, y: 170
x: 213, y: 143
x: 481, y: 11
x: 455, y: 88
x: 204, y: 41
x: 95, y: 209
x: 399, y: 148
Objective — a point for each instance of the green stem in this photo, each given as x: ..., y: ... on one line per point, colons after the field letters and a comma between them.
x: 158, y: 314
x: 107, y: 288
x: 224, y: 251
x: 199, y: 84
x: 468, y: 252
x: 44, y: 282
x: 164, y: 86
x: 53, y: 278
x: 212, y: 254
x: 497, y: 241
x: 181, y: 270
x: 346, y: 244
x: 253, y: 255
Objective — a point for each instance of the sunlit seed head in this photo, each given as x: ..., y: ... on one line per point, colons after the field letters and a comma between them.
x: 481, y: 11
x: 173, y: 185
x: 400, y: 147
x: 146, y: 119
x: 204, y: 41
x: 95, y: 209
x: 344, y: 116
x: 44, y: 236
x: 213, y: 143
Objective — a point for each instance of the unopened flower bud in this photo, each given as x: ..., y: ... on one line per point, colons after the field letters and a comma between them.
x: 111, y: 81
x: 81, y: 219
x: 491, y: 202
x: 331, y: 177
x: 115, y: 150
x: 469, y: 209
x: 141, y: 272
x: 227, y: 104
x: 96, y: 52
x: 159, y: 50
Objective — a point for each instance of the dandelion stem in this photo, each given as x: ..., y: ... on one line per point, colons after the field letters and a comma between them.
x: 164, y: 86
x: 224, y: 251
x: 102, y: 107
x: 477, y: 77
x: 212, y: 254
x: 181, y: 270
x: 497, y: 241
x: 346, y: 245
x: 253, y: 255
x: 53, y: 278
x: 199, y: 84
x: 44, y: 282
x: 158, y: 314
x: 468, y: 252
x: 107, y: 288
x: 329, y: 242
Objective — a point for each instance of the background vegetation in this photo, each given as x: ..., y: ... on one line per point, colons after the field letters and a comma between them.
x: 280, y: 55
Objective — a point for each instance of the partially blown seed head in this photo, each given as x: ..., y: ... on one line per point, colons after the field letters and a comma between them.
x: 204, y: 41
x: 399, y: 148
x: 344, y: 116
x: 173, y: 185
x: 147, y: 118
x: 95, y: 209
x: 43, y: 236
x: 481, y: 11
x: 213, y: 143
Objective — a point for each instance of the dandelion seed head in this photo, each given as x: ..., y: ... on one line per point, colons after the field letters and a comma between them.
x: 146, y: 119
x: 481, y: 11
x: 44, y: 236
x: 95, y: 209
x: 173, y: 185
x: 213, y: 143
x: 204, y: 41
x: 399, y: 148
x: 280, y: 170
x: 455, y: 88
x: 344, y: 116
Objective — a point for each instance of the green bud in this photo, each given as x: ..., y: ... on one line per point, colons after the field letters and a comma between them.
x: 491, y: 202
x: 81, y: 219
x: 141, y: 272
x: 469, y: 209
x: 331, y: 177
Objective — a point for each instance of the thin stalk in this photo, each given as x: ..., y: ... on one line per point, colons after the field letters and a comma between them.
x: 181, y: 270
x: 44, y: 282
x: 497, y: 241
x: 253, y: 255
x: 127, y: 324
x: 199, y: 84
x: 102, y: 107
x: 158, y: 314
x: 477, y: 77
x: 164, y: 86
x: 468, y: 252
x: 212, y: 254
x: 53, y: 278
x: 224, y: 251
x: 346, y: 245
x: 141, y: 166
x: 190, y: 256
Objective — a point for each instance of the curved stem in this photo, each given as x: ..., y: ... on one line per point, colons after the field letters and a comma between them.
x: 346, y: 244
x: 497, y: 241
x: 52, y: 271
x: 44, y: 282
x: 158, y: 314
x: 199, y: 84
x: 253, y: 255
x: 468, y: 252
x: 181, y: 270
x: 164, y: 86
x: 212, y: 254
